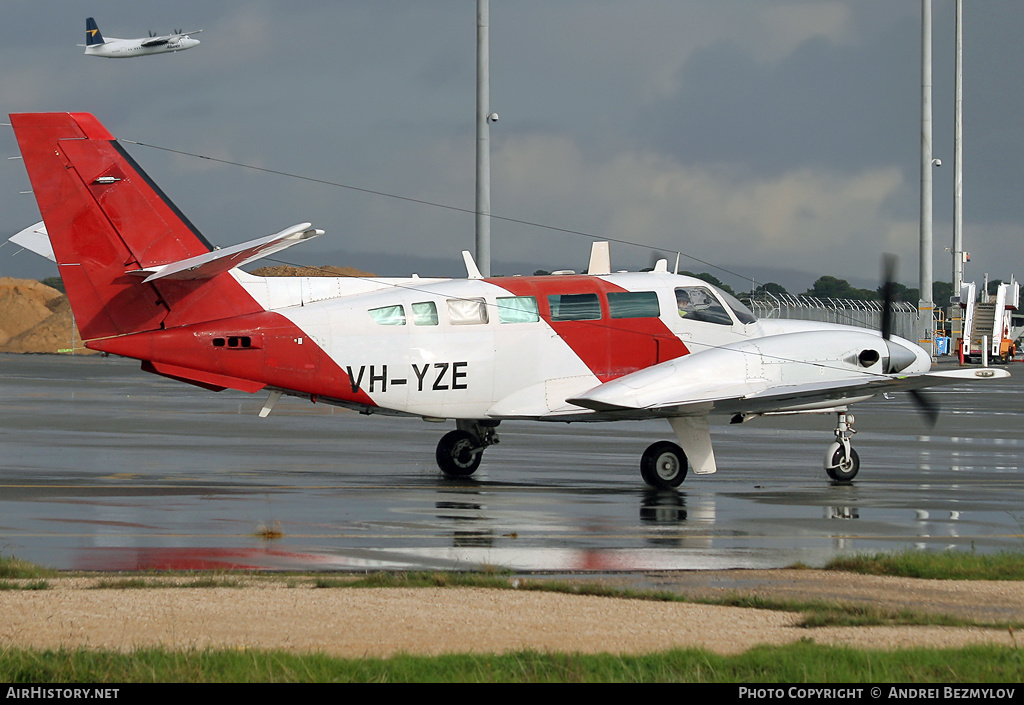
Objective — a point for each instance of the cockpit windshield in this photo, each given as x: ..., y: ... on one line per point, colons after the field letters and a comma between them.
x: 744, y: 314
x: 703, y: 303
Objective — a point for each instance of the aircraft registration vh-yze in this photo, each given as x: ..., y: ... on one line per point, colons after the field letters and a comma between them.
x: 144, y: 283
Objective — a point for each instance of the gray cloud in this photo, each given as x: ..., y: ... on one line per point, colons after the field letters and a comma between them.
x: 761, y: 135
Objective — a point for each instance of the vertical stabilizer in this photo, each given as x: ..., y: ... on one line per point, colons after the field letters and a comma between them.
x: 107, y: 221
x: 92, y: 33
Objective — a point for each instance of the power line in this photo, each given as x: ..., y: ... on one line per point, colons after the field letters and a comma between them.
x: 434, y: 204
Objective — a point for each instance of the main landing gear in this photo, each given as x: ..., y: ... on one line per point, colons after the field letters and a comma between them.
x: 841, y: 461
x: 663, y: 465
x: 459, y: 452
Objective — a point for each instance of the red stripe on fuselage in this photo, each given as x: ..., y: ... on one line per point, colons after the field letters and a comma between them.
x: 263, y: 347
x: 609, y: 347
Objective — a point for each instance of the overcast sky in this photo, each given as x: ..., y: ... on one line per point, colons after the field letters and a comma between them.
x: 778, y: 139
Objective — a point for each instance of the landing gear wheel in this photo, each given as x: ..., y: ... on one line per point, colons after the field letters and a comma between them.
x: 663, y: 465
x: 840, y: 467
x: 459, y: 454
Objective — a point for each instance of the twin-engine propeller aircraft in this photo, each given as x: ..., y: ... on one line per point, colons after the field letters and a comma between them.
x: 143, y: 283
x: 113, y: 48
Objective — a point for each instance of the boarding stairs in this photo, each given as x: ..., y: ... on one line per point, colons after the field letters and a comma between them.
x: 989, y: 321
x: 983, y: 327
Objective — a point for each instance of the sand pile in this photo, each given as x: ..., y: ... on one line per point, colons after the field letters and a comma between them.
x: 35, y: 318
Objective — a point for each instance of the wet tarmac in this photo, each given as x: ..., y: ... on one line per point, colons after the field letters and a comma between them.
x: 104, y: 467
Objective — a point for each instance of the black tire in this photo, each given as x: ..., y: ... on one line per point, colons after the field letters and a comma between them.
x: 843, y: 470
x: 458, y: 454
x: 663, y: 465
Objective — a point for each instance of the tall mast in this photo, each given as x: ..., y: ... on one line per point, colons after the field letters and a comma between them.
x: 925, y: 305
x: 483, y: 139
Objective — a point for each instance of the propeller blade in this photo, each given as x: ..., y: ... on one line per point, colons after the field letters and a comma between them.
x: 888, y: 293
x: 927, y: 405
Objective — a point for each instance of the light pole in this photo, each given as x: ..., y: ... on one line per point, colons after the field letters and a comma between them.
x: 925, y: 305
x: 483, y: 139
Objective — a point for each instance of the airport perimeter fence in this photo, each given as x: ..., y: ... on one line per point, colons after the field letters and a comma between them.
x: 865, y: 314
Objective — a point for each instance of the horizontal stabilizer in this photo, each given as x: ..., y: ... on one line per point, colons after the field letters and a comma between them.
x: 34, y: 239
x: 210, y: 264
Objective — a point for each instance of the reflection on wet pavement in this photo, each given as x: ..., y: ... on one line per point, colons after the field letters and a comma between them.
x: 107, y: 468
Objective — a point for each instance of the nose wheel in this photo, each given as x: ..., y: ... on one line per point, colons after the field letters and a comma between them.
x: 841, y: 461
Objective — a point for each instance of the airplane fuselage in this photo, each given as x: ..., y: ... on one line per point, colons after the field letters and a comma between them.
x: 500, y: 348
x: 126, y: 48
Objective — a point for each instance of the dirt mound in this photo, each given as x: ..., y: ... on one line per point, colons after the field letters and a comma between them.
x: 35, y: 318
x: 23, y: 303
x: 286, y: 270
x: 53, y: 333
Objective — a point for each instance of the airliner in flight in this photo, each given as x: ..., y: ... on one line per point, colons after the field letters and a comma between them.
x: 113, y: 48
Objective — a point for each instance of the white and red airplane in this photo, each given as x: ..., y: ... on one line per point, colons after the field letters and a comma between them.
x: 113, y: 48
x: 145, y: 284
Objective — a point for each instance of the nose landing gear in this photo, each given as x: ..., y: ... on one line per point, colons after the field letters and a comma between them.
x: 841, y: 461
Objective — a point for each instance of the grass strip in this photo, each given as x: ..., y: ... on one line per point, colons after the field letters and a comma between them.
x: 803, y: 662
x: 931, y: 565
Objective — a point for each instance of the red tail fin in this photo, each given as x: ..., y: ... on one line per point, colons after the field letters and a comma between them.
x: 106, y: 219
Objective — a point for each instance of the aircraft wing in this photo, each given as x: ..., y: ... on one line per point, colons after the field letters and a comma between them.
x: 733, y: 381
x: 156, y: 41
x: 210, y: 264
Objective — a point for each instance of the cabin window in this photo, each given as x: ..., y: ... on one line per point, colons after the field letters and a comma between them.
x: 697, y: 303
x: 633, y: 304
x: 424, y: 314
x: 388, y: 315
x: 517, y: 309
x: 574, y: 307
x: 467, y: 312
